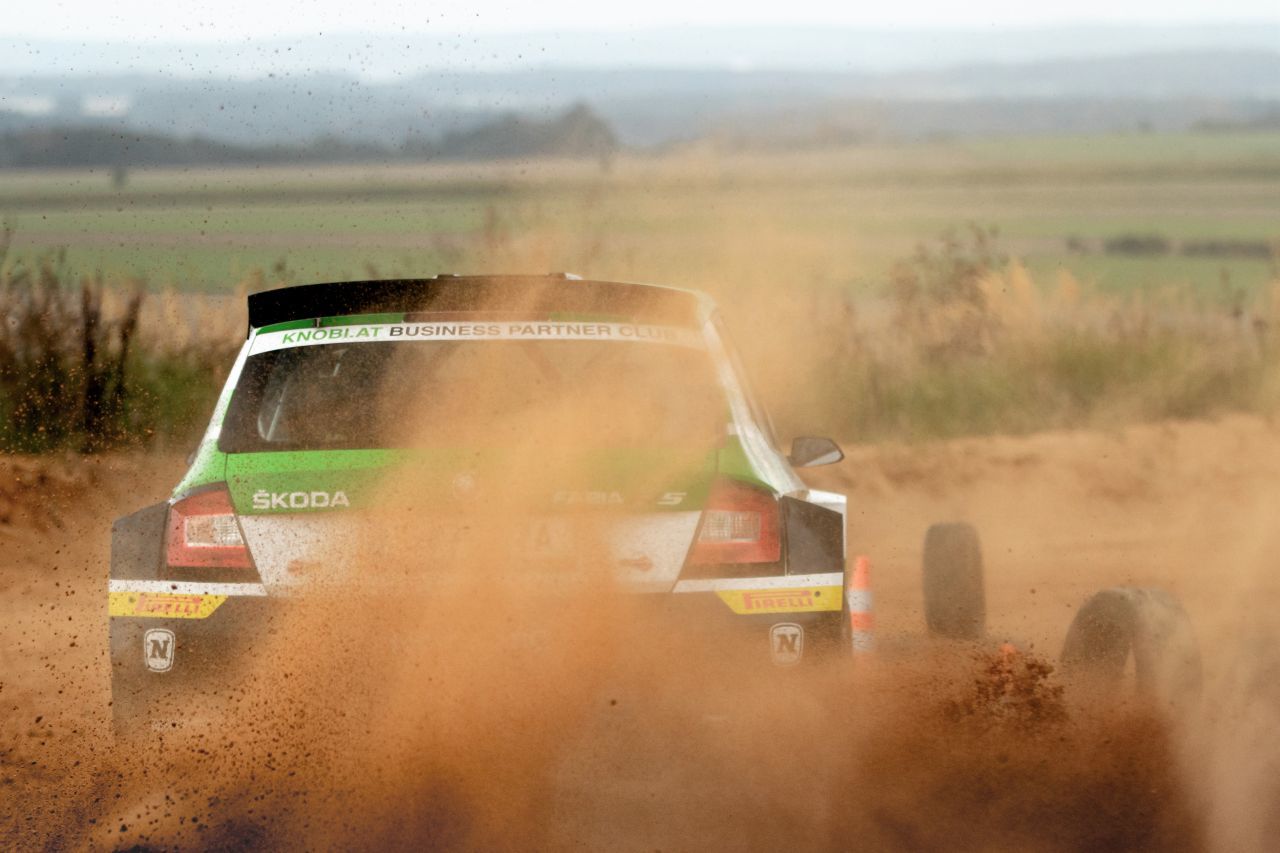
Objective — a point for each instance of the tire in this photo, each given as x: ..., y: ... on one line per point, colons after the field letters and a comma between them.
x: 955, y: 604
x: 1147, y: 624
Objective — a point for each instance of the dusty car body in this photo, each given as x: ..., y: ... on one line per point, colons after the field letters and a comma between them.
x: 672, y: 467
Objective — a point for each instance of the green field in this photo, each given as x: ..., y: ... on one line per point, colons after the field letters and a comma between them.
x: 695, y: 217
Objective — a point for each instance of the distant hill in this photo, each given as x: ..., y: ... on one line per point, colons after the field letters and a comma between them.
x: 578, y: 133
x: 77, y: 147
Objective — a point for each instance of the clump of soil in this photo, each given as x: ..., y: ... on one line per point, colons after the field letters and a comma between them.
x: 987, y: 754
x: 1012, y: 690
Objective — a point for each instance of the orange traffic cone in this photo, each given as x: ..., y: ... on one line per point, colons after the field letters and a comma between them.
x: 859, y: 604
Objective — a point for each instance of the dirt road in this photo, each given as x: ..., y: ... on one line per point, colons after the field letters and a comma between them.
x: 1187, y: 507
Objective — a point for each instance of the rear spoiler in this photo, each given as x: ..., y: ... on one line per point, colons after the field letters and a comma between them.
x: 558, y: 293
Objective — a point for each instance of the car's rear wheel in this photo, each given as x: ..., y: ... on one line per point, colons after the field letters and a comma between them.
x: 955, y: 604
x: 1147, y: 626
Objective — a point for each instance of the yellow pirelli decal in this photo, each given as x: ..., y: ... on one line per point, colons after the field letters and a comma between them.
x: 162, y: 605
x: 809, y: 599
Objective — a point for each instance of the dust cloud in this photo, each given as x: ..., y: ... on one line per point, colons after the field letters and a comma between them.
x: 444, y: 693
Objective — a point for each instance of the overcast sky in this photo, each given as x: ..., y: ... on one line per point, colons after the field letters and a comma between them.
x: 179, y: 20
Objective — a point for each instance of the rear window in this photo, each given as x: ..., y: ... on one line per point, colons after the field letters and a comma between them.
x: 639, y: 391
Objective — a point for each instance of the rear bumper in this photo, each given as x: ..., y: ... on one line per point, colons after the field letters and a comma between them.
x: 192, y: 638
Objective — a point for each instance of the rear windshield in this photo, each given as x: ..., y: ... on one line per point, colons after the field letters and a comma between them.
x: 471, y: 393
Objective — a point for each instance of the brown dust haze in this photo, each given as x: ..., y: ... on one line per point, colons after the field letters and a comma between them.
x: 438, y: 694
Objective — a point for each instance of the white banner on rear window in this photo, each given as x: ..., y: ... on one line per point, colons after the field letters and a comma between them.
x: 510, y: 330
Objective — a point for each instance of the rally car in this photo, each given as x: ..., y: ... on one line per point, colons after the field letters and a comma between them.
x: 628, y: 405
x: 339, y: 384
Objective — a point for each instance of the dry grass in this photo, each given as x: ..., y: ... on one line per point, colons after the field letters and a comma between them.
x: 962, y: 341
x: 965, y: 342
x: 90, y: 365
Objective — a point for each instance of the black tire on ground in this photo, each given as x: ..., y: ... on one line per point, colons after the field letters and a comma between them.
x: 955, y: 604
x: 1148, y: 624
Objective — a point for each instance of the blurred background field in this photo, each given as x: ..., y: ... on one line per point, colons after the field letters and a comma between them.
x: 1121, y: 213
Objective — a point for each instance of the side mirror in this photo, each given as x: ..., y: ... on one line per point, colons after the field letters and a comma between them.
x: 809, y: 452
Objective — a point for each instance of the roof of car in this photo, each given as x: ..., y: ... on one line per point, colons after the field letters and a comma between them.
x: 556, y: 293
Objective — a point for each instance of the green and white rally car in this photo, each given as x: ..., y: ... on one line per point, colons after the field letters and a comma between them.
x: 338, y: 386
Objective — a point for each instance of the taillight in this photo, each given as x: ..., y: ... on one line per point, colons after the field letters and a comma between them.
x: 739, y: 525
x: 204, y: 532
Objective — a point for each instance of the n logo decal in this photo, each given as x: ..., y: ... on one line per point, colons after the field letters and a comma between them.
x: 786, y: 643
x: 158, y: 648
